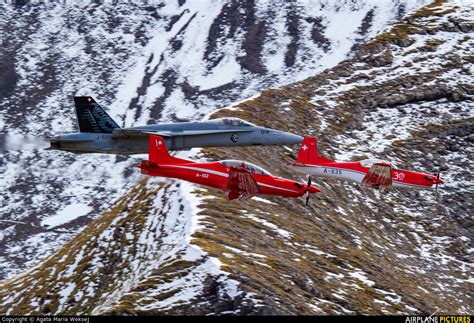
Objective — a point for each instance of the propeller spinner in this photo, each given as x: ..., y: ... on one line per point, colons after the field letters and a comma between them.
x: 437, y: 180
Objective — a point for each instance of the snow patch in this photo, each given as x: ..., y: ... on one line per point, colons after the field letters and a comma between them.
x: 360, y: 275
x: 69, y: 213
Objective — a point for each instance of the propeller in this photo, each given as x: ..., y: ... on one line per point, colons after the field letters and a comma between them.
x: 307, y: 192
x: 437, y: 180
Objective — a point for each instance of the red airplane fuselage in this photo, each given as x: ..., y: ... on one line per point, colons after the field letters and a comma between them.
x: 309, y: 162
x: 241, y: 179
x: 214, y: 174
x: 354, y: 171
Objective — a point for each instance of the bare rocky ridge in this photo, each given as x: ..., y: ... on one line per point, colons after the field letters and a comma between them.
x: 405, y: 96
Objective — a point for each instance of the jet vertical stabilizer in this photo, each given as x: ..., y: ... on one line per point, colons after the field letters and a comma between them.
x: 91, y: 117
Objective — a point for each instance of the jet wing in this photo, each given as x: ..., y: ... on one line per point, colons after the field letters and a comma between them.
x: 71, y: 140
x: 167, y: 133
x: 379, y: 175
x: 120, y: 133
x: 241, y: 184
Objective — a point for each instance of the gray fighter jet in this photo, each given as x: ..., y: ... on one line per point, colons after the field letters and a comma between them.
x: 99, y: 133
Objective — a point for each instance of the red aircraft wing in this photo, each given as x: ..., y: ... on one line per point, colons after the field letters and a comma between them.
x: 241, y: 184
x: 379, y: 175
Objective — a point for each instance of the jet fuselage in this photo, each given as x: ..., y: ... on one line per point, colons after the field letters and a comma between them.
x: 99, y: 133
x: 111, y: 143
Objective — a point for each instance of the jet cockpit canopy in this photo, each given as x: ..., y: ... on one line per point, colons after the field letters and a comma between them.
x: 235, y: 122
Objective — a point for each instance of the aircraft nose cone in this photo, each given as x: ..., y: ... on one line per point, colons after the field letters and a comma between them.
x: 292, y: 139
x: 314, y: 189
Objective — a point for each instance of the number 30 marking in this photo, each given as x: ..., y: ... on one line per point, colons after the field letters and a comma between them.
x: 398, y: 176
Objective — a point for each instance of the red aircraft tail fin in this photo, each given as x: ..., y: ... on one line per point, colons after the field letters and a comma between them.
x: 309, y: 153
x: 158, y: 153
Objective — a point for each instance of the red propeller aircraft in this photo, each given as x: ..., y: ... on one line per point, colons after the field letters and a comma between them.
x: 242, y: 180
x: 370, y: 172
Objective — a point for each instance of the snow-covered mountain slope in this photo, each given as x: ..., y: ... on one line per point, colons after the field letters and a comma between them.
x: 137, y: 253
x: 406, y: 96
x: 146, y: 63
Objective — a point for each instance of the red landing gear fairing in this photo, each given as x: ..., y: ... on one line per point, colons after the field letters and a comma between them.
x: 240, y: 179
x: 370, y: 172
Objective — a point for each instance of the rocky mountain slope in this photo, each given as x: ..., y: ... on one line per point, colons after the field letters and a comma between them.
x: 168, y: 247
x: 146, y: 63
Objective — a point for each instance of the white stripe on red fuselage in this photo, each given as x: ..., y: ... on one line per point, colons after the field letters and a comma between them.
x: 346, y: 174
x: 226, y: 175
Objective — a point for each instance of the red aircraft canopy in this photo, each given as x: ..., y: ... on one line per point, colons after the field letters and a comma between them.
x: 370, y: 162
x: 244, y: 165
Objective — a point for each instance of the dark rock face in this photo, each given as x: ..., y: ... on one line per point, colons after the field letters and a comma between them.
x: 238, y: 17
x: 380, y: 59
x: 317, y: 33
x: 293, y: 30
x: 9, y: 76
